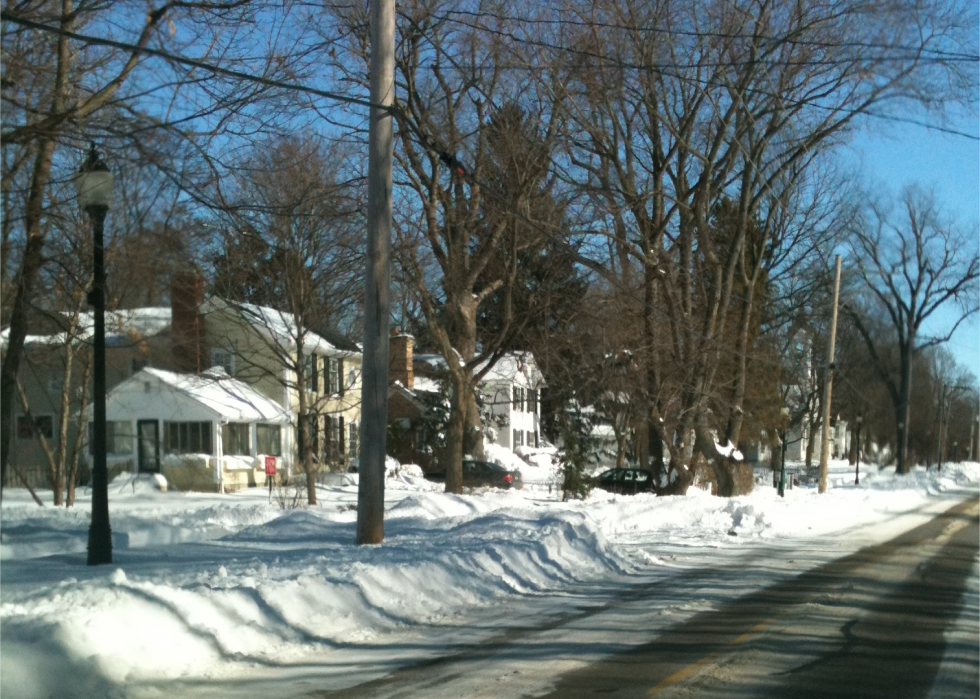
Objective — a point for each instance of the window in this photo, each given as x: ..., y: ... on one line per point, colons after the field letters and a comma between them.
x: 518, y: 439
x: 234, y: 439
x: 333, y: 439
x: 268, y: 439
x: 311, y: 371
x: 28, y: 429
x: 516, y: 392
x: 187, y: 437
x: 532, y: 400
x: 224, y: 358
x: 338, y: 427
x: 352, y: 436
x: 313, y: 433
x: 119, y: 437
x: 333, y: 375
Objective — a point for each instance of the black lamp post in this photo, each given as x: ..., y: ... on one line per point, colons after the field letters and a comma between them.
x: 782, y: 456
x: 857, y: 451
x: 94, y: 196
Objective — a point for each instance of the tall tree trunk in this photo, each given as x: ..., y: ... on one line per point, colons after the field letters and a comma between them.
x: 473, y: 437
x: 303, y: 447
x: 453, y: 455
x: 33, y: 256
x: 902, y: 412
x: 71, y: 475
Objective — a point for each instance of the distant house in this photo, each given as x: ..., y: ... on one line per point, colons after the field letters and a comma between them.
x: 510, y: 394
x: 135, y: 338
x: 204, y: 431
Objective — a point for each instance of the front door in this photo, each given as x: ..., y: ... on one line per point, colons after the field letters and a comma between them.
x: 148, y: 446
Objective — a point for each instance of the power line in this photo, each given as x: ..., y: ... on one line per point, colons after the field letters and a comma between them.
x: 667, y: 69
x: 669, y: 31
x: 8, y: 16
x: 347, y: 99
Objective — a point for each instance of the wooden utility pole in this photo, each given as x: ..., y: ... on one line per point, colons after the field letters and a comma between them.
x: 969, y: 449
x: 828, y: 385
x: 942, y: 427
x: 374, y: 369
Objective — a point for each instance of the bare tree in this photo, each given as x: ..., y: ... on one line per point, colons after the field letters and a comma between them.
x: 287, y: 268
x: 473, y: 153
x: 912, y: 263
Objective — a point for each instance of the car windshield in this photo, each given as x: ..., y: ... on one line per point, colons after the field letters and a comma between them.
x: 482, y: 466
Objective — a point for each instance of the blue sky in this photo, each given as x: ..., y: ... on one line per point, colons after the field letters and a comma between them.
x: 894, y: 155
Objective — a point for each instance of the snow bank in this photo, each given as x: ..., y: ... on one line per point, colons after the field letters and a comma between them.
x: 296, y: 588
x: 211, y: 587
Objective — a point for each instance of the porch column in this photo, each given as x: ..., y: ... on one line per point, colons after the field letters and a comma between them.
x: 219, y: 471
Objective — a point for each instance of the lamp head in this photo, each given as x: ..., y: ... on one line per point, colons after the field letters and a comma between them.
x: 94, y: 182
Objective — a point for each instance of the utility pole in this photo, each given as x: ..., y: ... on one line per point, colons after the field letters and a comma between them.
x: 829, y: 384
x: 942, y: 424
x: 969, y: 449
x: 374, y: 369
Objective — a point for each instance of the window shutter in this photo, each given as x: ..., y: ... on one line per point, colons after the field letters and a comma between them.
x: 340, y: 427
x: 340, y: 378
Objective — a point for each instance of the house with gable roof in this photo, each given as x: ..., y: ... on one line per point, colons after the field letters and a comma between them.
x: 253, y: 345
x: 510, y: 397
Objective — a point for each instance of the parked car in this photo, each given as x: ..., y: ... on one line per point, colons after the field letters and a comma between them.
x: 627, y: 481
x: 484, y: 473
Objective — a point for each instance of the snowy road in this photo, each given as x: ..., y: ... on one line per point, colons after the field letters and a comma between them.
x: 898, y: 619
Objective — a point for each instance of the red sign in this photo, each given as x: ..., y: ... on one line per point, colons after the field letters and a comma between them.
x: 270, y: 465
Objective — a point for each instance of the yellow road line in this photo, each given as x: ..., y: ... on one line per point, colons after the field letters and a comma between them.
x: 694, y: 667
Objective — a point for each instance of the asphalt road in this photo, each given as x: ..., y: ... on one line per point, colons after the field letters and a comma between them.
x: 872, y: 624
x: 896, y: 620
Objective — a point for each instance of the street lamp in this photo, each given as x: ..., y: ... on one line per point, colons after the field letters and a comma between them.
x: 94, y: 195
x: 857, y: 451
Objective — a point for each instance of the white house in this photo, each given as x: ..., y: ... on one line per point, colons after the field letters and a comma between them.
x: 512, y: 393
x: 202, y: 432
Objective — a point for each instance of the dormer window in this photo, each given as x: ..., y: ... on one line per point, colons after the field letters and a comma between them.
x: 224, y: 358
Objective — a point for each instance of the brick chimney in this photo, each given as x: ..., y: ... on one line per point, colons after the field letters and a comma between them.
x: 400, y: 359
x: 187, y: 323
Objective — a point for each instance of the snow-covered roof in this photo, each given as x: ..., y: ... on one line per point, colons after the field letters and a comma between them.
x: 214, y: 389
x: 426, y: 384
x: 138, y: 322
x: 281, y: 327
x: 432, y: 362
x: 514, y: 367
x: 122, y: 328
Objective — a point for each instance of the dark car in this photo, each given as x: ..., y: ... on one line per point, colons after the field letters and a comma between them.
x: 627, y: 481
x: 479, y: 473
